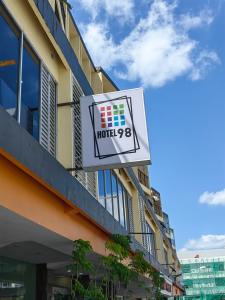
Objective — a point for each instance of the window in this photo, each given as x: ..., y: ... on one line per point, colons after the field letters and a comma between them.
x: 166, y: 258
x: 150, y: 239
x: 218, y: 266
x: 128, y: 212
x: 114, y: 197
x: 25, y: 95
x: 30, y: 92
x: 109, y: 206
x: 220, y: 281
x: 121, y: 204
x: 143, y: 178
x: 101, y: 184
x: 9, y: 64
x: 63, y: 11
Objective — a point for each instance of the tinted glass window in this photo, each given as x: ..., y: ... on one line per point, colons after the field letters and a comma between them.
x: 30, y: 92
x: 121, y: 204
x: 9, y: 65
x: 114, y: 186
x: 109, y: 206
x: 115, y: 208
x: 115, y: 198
x: 101, y: 187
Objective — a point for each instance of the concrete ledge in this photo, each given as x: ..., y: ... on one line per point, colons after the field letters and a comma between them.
x: 20, y: 145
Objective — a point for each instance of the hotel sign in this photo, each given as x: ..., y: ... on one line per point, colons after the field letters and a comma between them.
x: 114, y: 131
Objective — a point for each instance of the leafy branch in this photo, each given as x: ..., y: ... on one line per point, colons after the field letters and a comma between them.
x: 121, y: 268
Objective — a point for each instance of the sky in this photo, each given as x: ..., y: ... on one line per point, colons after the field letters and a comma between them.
x: 175, y: 50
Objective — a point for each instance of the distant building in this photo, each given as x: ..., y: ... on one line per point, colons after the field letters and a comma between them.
x: 203, y: 274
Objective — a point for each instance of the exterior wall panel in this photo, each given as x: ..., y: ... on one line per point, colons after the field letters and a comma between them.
x: 23, y: 195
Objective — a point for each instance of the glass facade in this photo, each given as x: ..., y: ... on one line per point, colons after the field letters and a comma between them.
x: 9, y: 64
x: 22, y: 78
x: 204, y: 278
x: 30, y: 92
x: 113, y: 196
x: 17, y: 280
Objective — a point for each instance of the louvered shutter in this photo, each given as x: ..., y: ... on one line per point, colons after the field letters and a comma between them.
x: 88, y: 180
x: 48, y: 112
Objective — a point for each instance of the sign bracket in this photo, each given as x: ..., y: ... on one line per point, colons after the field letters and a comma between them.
x: 75, y: 169
x: 68, y: 104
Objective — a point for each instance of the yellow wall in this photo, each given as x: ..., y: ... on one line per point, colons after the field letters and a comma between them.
x: 65, y: 120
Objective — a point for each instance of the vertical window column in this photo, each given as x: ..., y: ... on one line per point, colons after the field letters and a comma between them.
x: 30, y: 92
x: 150, y: 240
x: 9, y: 64
x: 101, y: 185
x: 110, y: 205
x: 121, y: 204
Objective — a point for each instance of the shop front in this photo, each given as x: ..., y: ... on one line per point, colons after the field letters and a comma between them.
x: 17, y: 280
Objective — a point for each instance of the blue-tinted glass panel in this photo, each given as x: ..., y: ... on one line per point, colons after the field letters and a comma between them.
x: 121, y: 204
x: 115, y: 197
x: 101, y: 187
x: 30, y: 92
x: 115, y: 208
x: 114, y: 185
x: 9, y: 67
x: 109, y: 205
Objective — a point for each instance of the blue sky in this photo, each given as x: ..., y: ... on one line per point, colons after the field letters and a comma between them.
x: 175, y: 49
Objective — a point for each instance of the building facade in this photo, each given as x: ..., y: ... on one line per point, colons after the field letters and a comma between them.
x: 204, y: 274
x: 46, y: 200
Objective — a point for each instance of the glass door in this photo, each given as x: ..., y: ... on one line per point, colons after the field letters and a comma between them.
x: 17, y: 280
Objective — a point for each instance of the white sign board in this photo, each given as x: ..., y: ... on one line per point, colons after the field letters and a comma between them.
x: 114, y: 131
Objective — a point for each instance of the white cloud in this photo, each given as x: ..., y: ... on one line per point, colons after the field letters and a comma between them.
x: 115, y: 8
x: 157, y: 50
x: 102, y: 48
x: 205, y: 242
x: 189, y: 21
x: 217, y: 198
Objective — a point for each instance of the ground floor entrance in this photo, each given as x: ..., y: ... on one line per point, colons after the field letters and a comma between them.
x: 25, y: 281
x: 17, y: 280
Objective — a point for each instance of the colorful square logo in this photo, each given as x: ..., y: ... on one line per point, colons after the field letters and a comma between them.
x: 112, y: 116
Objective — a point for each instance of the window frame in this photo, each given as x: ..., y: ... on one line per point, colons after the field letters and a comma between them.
x: 22, y: 40
x: 8, y: 18
x: 125, y: 197
x: 150, y: 239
